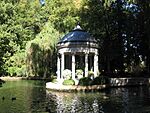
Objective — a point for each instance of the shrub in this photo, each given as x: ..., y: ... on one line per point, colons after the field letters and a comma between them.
x: 100, y: 80
x: 68, y: 82
x: 21, y: 71
x: 91, y: 74
x: 85, y: 81
x: 17, y: 71
x: 66, y: 74
x: 79, y: 73
x: 12, y: 71
x: 53, y: 76
x: 54, y: 81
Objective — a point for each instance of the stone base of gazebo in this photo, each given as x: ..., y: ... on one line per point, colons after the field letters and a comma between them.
x: 114, y: 82
x: 60, y: 87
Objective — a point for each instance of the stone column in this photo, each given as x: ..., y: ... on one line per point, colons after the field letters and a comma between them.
x: 58, y: 68
x: 62, y: 64
x: 95, y: 65
x: 73, y: 66
x: 86, y: 65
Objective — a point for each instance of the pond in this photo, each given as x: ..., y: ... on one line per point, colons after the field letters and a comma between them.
x: 26, y: 96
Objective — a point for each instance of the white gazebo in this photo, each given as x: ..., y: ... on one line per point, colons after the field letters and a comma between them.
x: 77, y: 50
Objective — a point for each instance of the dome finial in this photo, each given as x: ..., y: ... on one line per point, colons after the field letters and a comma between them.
x: 78, y: 27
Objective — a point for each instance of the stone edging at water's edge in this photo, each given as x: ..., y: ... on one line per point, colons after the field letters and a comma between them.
x: 114, y: 82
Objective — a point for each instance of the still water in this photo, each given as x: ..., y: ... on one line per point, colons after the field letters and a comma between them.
x: 32, y: 97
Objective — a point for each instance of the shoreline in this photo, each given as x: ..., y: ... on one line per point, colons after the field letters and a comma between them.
x: 8, y: 78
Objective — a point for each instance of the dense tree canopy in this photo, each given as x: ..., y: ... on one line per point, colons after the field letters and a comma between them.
x: 30, y: 29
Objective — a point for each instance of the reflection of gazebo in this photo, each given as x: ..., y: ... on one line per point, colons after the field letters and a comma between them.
x: 77, y: 50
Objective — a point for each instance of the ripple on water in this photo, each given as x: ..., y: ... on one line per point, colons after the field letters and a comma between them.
x: 74, y: 103
x: 31, y: 97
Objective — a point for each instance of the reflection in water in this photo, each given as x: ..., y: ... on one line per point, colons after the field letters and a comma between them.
x: 32, y: 97
x: 75, y: 102
x: 22, y: 97
x: 117, y: 100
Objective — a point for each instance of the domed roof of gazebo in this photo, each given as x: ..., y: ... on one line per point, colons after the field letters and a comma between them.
x: 77, y: 38
x: 77, y: 35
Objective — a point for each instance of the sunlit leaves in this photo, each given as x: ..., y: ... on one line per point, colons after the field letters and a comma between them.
x: 34, y: 27
x: 40, y: 51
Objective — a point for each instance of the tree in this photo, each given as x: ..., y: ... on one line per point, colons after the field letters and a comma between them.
x: 40, y: 52
x: 120, y: 27
x: 118, y: 30
x: 21, y: 21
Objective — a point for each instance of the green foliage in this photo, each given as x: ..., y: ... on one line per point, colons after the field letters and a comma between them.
x: 54, y: 81
x: 41, y: 50
x: 79, y: 73
x: 15, y: 65
x: 85, y: 81
x: 17, y: 71
x: 17, y: 27
x: 64, y: 15
x: 53, y: 76
x: 90, y: 74
x: 69, y: 82
x: 12, y: 71
x: 100, y: 80
x: 29, y: 33
x: 117, y: 30
x: 66, y: 74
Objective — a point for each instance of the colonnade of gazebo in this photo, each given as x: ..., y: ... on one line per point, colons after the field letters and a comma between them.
x: 77, y: 42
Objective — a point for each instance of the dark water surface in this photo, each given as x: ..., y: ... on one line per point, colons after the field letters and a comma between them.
x: 31, y: 97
